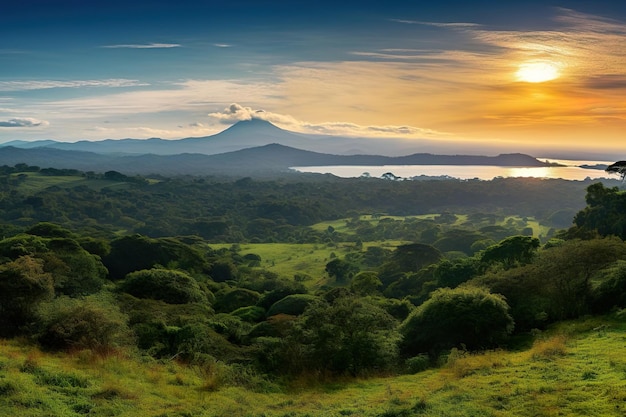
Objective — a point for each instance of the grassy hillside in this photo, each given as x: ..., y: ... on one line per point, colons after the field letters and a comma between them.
x: 577, y: 368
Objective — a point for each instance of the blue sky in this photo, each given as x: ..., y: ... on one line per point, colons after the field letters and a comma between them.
x: 528, y: 76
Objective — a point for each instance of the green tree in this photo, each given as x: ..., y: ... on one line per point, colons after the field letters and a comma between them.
x: 75, y: 271
x: 513, y: 250
x: 604, y: 214
x: 341, y: 270
x: 468, y: 316
x: 350, y: 335
x: 23, y: 286
x: 558, y: 284
x: 407, y: 261
x: 566, y: 273
x: 611, y: 292
x: 366, y: 283
x: 136, y: 252
x: 452, y: 274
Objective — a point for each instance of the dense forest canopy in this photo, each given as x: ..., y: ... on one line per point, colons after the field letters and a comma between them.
x: 271, y: 210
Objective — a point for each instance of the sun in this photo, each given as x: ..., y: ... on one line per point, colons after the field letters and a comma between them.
x: 537, y: 72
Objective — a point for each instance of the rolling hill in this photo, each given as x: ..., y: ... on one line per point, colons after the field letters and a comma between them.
x: 272, y: 158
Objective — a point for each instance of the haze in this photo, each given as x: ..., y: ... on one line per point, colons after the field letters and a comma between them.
x: 537, y: 77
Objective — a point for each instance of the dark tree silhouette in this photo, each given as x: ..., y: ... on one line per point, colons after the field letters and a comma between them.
x: 618, y: 167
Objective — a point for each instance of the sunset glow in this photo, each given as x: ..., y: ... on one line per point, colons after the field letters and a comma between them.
x: 537, y: 72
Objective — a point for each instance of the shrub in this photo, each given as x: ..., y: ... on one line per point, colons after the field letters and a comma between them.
x: 611, y: 292
x: 417, y: 363
x: 23, y: 286
x: 92, y: 323
x: 470, y: 316
x: 174, y: 287
x: 293, y: 305
x: 230, y: 299
x: 252, y: 314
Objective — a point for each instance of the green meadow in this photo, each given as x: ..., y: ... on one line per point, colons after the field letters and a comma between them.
x: 575, y: 368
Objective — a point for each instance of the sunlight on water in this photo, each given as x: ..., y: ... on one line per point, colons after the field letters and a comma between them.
x: 570, y: 172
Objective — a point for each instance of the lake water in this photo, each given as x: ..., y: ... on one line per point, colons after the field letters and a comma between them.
x: 571, y: 171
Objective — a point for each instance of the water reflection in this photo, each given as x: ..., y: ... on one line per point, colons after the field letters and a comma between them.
x: 465, y: 171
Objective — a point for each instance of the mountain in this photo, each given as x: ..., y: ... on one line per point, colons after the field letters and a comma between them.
x: 27, y: 145
x: 272, y: 158
x: 242, y: 135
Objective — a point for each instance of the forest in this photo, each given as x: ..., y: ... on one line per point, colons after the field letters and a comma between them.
x: 282, y: 283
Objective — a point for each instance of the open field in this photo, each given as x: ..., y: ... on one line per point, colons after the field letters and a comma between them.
x: 289, y: 259
x: 577, y: 368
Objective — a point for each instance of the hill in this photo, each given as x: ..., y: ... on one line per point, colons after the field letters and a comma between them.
x: 272, y: 158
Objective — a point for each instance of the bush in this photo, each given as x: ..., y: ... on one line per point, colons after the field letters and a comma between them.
x: 293, y: 305
x: 230, y: 299
x: 173, y: 287
x: 92, y: 323
x: 23, y: 286
x: 417, y: 363
x: 252, y: 314
x: 611, y: 293
x: 452, y: 317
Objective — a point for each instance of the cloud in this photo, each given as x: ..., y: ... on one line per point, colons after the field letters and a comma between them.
x: 455, y: 25
x: 236, y: 112
x: 145, y: 46
x: 23, y: 122
x: 46, y: 84
x: 606, y: 81
x: 222, y: 45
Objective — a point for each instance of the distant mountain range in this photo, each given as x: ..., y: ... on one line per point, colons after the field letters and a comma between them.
x: 241, y: 135
x: 245, y: 148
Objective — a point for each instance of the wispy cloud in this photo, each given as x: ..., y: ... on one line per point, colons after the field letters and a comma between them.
x: 145, y: 46
x: 23, y: 122
x: 455, y: 25
x: 222, y: 45
x: 46, y: 84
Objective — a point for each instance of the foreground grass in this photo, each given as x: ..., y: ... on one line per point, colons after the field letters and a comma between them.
x: 578, y: 368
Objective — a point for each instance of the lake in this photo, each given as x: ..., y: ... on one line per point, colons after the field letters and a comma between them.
x: 571, y: 171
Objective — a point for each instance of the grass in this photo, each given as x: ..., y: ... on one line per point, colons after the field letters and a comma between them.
x: 577, y: 368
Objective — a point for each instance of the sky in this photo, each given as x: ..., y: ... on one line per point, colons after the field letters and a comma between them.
x: 529, y: 76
